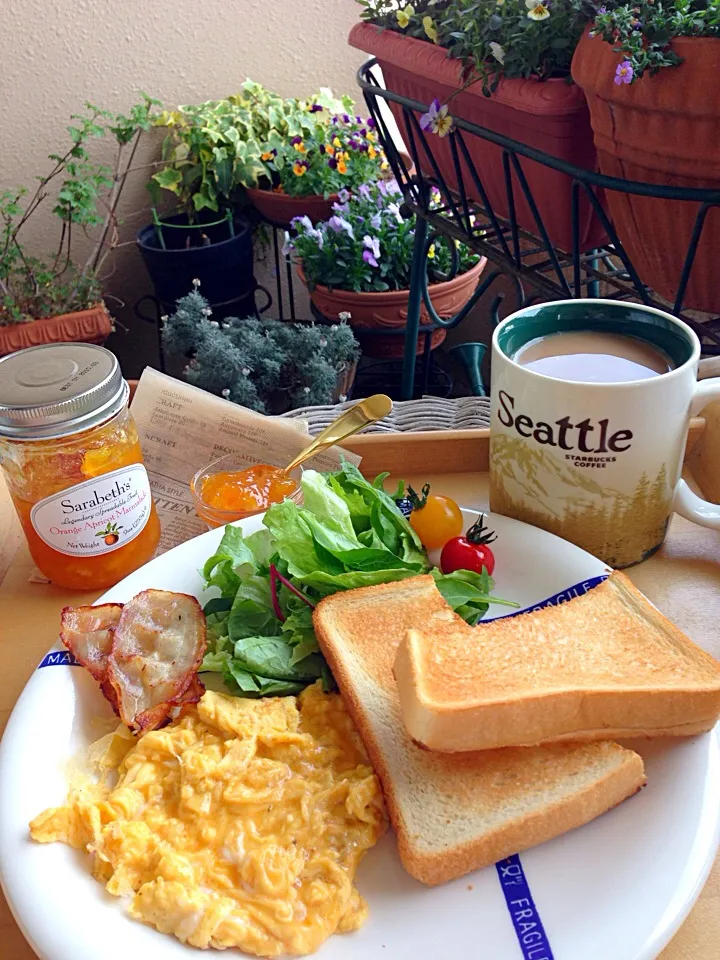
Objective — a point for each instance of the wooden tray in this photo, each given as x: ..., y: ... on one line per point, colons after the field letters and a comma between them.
x: 683, y: 579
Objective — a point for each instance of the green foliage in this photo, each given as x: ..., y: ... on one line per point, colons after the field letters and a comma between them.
x: 266, y: 365
x: 644, y: 32
x: 258, y: 139
x: 34, y: 287
x: 368, y: 245
x: 493, y: 38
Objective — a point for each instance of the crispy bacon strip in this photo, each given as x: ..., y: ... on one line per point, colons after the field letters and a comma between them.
x: 157, y: 648
x: 87, y: 633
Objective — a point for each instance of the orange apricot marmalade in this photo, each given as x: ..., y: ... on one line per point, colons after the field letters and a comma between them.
x: 71, y: 457
x: 243, y: 492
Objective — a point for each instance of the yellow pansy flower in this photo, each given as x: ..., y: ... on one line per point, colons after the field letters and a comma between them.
x: 299, y: 169
x: 404, y: 15
x: 266, y: 156
x: 329, y: 150
x: 300, y: 147
x: 429, y: 28
x: 537, y: 11
x: 337, y: 142
x: 342, y: 166
x: 372, y: 152
x: 431, y: 252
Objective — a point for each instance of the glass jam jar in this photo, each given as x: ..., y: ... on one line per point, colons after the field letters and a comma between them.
x: 71, y: 457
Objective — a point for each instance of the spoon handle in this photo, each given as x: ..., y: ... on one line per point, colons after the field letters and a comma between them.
x: 352, y: 421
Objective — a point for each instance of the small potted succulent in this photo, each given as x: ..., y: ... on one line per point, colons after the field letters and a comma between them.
x: 503, y: 65
x: 266, y: 365
x: 650, y: 74
x: 359, y: 261
x: 58, y: 297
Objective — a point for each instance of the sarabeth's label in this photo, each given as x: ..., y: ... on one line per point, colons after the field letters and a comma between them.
x: 97, y: 516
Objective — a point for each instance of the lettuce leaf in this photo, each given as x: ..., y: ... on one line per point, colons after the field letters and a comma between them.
x: 235, y: 556
x: 347, y: 534
x: 468, y: 593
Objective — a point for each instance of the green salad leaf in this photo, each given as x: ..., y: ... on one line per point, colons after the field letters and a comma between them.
x: 348, y: 533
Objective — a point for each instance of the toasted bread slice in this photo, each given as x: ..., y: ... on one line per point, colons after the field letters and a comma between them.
x: 453, y: 814
x: 603, y: 665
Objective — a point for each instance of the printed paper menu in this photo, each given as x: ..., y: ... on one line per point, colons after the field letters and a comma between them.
x: 183, y: 428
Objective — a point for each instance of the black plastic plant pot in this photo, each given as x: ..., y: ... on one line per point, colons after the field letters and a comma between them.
x: 219, y: 254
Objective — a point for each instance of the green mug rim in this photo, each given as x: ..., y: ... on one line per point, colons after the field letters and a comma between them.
x: 664, y: 331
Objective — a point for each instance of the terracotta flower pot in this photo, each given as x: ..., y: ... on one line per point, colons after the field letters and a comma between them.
x: 279, y: 208
x: 89, y: 326
x: 549, y: 115
x: 371, y: 312
x: 660, y: 129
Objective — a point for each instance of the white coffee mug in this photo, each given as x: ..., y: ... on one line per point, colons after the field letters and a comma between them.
x: 598, y: 464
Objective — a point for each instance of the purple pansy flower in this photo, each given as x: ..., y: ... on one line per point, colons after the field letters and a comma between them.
x: 371, y: 123
x: 371, y: 251
x: 339, y: 224
x: 316, y: 108
x: 341, y: 208
x: 303, y: 221
x: 343, y: 195
x: 358, y: 120
x: 288, y: 246
x: 332, y: 163
x: 624, y: 73
x: 364, y: 191
x: 296, y: 140
x: 437, y: 119
x: 376, y: 220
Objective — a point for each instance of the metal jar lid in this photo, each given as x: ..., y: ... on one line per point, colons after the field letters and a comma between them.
x: 58, y: 389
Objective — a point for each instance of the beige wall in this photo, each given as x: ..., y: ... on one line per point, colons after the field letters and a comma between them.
x: 55, y: 54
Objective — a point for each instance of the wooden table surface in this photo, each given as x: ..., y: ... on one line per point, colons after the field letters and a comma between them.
x: 683, y: 579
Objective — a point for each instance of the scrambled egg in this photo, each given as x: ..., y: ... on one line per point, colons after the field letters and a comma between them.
x: 239, y: 825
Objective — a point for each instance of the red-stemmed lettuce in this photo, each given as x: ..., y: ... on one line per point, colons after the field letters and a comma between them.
x: 348, y: 533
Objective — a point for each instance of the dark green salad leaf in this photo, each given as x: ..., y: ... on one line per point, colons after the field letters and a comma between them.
x: 348, y: 533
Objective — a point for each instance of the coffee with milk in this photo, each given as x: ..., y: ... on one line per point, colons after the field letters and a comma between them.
x: 591, y: 356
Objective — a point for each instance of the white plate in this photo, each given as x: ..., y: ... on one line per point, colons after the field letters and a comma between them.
x: 618, y: 887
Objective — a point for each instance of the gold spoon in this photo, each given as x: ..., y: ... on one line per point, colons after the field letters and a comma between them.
x: 352, y: 421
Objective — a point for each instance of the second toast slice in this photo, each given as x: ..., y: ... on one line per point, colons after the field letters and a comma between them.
x: 603, y: 665
x: 453, y: 814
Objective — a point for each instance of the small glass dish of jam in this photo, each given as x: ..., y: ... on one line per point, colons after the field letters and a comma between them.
x: 229, y: 489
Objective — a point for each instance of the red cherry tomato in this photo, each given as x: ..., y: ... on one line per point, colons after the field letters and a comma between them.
x: 434, y: 519
x: 471, y: 552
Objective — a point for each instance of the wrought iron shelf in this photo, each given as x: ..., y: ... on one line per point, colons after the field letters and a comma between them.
x: 538, y: 271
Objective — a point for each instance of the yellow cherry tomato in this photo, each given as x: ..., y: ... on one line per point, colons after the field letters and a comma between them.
x: 439, y: 520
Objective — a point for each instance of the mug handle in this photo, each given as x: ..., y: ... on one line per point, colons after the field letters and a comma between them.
x: 685, y: 502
